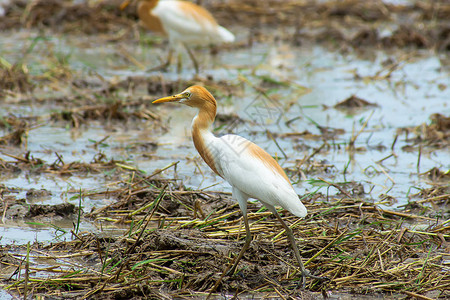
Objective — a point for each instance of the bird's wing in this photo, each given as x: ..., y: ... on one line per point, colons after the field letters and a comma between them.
x: 187, y: 22
x: 253, y: 171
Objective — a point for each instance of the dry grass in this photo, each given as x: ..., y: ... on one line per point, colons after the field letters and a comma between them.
x: 349, y: 22
x: 179, y: 242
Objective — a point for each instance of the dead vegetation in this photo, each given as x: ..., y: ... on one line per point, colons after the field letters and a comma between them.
x: 13, y: 79
x: 29, y: 163
x: 352, y: 22
x: 179, y: 242
x: 117, y: 111
x: 435, y: 174
x: 17, y: 130
x: 436, y: 134
x: 64, y: 16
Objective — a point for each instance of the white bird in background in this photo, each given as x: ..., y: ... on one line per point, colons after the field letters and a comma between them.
x: 250, y: 170
x: 184, y: 23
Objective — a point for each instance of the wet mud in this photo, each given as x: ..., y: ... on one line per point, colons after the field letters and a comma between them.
x: 194, y: 236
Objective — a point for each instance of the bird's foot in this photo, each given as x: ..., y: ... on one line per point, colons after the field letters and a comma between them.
x: 306, y: 273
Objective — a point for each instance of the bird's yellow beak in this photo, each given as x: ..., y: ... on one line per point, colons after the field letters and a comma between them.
x: 174, y: 98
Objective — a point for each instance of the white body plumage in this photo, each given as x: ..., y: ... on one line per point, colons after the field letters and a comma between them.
x: 235, y: 160
x: 185, y: 22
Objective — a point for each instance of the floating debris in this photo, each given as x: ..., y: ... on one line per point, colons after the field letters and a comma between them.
x: 435, y: 174
x: 436, y: 134
x: 354, y: 102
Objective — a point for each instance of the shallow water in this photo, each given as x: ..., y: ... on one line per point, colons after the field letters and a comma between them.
x: 313, y: 80
x: 407, y: 99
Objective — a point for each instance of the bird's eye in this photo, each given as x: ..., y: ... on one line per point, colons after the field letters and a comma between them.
x: 187, y: 94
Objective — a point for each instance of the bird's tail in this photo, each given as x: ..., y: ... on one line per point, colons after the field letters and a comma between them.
x: 225, y: 35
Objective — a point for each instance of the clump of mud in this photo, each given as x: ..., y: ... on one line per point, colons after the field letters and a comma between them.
x: 60, y: 210
x: 34, y: 194
x: 354, y: 102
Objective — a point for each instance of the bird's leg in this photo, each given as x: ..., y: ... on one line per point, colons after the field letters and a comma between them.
x: 169, y: 58
x: 242, y: 200
x: 194, y: 61
x: 290, y: 235
x: 165, y: 65
x: 248, y: 239
x: 179, y: 63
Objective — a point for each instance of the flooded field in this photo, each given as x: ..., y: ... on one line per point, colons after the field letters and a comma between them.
x: 103, y: 194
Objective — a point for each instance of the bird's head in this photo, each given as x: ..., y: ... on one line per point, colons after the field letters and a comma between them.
x: 194, y: 96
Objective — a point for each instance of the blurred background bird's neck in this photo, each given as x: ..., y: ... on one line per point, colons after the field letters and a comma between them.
x: 148, y: 20
x: 150, y: 4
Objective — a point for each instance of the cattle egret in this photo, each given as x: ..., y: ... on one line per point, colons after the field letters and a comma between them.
x: 250, y: 170
x: 184, y: 23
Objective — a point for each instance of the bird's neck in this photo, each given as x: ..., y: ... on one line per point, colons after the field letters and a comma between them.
x: 204, y: 118
x: 203, y: 137
x: 149, y: 4
x: 150, y: 21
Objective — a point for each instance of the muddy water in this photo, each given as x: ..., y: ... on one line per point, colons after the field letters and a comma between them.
x: 406, y: 99
x: 305, y: 83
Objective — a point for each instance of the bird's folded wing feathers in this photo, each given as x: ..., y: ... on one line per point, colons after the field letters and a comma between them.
x: 186, y: 23
x: 253, y: 176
